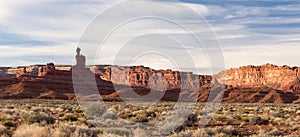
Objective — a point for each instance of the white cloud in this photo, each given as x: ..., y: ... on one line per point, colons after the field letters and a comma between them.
x: 201, y: 9
x: 49, y: 19
x: 261, y: 54
x: 9, y: 51
x: 62, y: 22
x: 294, y: 7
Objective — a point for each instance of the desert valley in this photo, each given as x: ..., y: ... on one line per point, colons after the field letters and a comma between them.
x: 39, y: 100
x: 248, y: 84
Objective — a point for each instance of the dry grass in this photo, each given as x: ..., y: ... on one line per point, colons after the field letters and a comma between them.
x: 51, y: 118
x: 31, y: 131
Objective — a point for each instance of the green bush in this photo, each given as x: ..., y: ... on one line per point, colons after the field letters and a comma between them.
x: 245, y: 119
x: 140, y: 118
x: 278, y: 114
x: 119, y: 132
x: 220, y: 117
x: 150, y: 114
x: 191, y: 120
x: 9, y: 124
x: 257, y: 120
x: 237, y: 117
x: 37, y: 118
x: 78, y: 110
x: 71, y: 118
x: 275, y: 132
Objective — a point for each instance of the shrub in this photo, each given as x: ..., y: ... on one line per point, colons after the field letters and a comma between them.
x: 220, y: 117
x: 278, y: 121
x: 229, y: 130
x: 257, y: 120
x: 150, y: 114
x: 110, y: 115
x: 10, y: 107
x: 73, y: 131
x: 95, y: 109
x: 78, y: 110
x: 9, y: 124
x: 216, y: 131
x: 140, y: 133
x: 71, y: 118
x: 187, y: 133
x: 295, y: 127
x: 275, y: 132
x: 119, y: 132
x: 63, y: 131
x: 245, y: 119
x: 37, y: 118
x: 278, y: 114
x: 191, y: 120
x: 261, y: 133
x: 237, y: 117
x: 201, y: 132
x: 31, y: 131
x: 229, y: 121
x: 84, y: 132
x: 140, y: 118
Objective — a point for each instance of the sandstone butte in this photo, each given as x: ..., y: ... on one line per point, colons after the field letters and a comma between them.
x: 248, y: 84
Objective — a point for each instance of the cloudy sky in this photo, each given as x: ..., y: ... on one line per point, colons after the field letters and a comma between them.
x: 249, y: 32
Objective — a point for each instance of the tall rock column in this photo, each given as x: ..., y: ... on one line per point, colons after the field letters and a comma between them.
x: 80, y: 59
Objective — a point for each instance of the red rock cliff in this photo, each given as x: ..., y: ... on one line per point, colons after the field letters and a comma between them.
x: 145, y: 76
x: 268, y: 75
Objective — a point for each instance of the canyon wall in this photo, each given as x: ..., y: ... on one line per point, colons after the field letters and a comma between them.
x: 8, y: 72
x: 249, y: 84
x: 268, y: 75
x: 150, y: 78
x: 32, y: 70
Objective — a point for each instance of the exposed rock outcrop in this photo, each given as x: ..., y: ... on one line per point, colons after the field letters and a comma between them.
x: 8, y: 72
x: 145, y: 76
x: 249, y: 84
x: 268, y: 75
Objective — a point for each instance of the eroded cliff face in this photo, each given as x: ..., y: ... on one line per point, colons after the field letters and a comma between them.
x: 32, y: 70
x: 249, y: 84
x: 9, y: 72
x: 150, y: 78
x: 268, y: 75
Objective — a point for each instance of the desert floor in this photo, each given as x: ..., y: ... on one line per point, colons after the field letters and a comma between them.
x: 44, y: 118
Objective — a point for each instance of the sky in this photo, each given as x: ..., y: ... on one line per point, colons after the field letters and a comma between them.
x: 248, y: 32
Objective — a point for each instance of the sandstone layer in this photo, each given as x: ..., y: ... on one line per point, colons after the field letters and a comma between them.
x: 277, y: 77
x: 248, y: 84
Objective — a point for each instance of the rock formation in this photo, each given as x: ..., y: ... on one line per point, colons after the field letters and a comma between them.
x: 142, y: 76
x: 268, y: 75
x: 260, y: 84
x: 80, y: 59
x: 8, y: 72
x: 249, y: 84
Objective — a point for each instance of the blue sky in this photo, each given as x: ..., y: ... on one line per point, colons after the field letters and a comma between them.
x: 250, y: 32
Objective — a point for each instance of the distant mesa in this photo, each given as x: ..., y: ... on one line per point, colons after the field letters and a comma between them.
x: 248, y: 84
